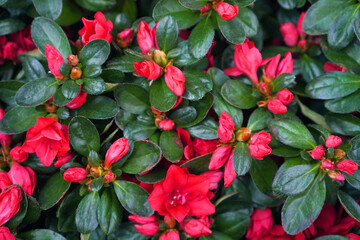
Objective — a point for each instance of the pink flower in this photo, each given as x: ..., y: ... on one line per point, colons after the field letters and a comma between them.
x: 330, y: 67
x: 286, y: 65
x: 347, y: 166
x: 125, y: 38
x: 259, y: 145
x: 145, y: 37
x: 318, y: 152
x: 289, y: 33
x: 166, y: 124
x: 148, y: 69
x: 229, y: 173
x: 181, y: 194
x: 214, y: 178
x: 9, y: 203
x: 23, y: 176
x: 149, y: 225
x: 17, y: 154
x: 275, y: 66
x: 4, y: 181
x: 62, y: 159
x: 75, y: 174
x: 285, y: 96
x: 116, y: 151
x: 170, y: 235
x: 98, y: 28
x: 5, y: 234
x: 299, y: 24
x: 327, y: 164
x: 247, y: 60
x: 54, y: 58
x: 227, y: 11
x: 261, y: 222
x: 175, y: 80
x: 332, y: 141
x: 202, y: 147
x: 197, y: 227
x: 220, y: 156
x: 226, y: 127
x: 276, y: 106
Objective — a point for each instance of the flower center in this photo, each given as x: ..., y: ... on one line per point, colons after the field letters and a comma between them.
x: 177, y: 198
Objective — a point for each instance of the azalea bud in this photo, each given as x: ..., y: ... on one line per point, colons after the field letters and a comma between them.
x: 96, y: 171
x: 335, y: 175
x: 227, y: 11
x: 109, y: 177
x: 219, y: 157
x: 262, y: 137
x: 145, y: 37
x: 318, y: 152
x: 75, y: 174
x: 160, y: 58
x: 78, y: 101
x: 148, y: 229
x: 23, y: 176
x: 166, y: 124
x: 75, y: 73
x: 195, y: 228
x: 259, y: 150
x: 175, y: 80
x: 142, y: 220
x: 347, y: 166
x: 5, y: 234
x: 332, y: 141
x: 226, y: 127
x: 17, y: 154
x: 9, y: 203
x: 299, y: 24
x: 73, y: 60
x: 327, y: 164
x: 243, y: 134
x: 54, y: 58
x: 286, y: 65
x: 285, y: 96
x: 116, y: 151
x: 4, y: 181
x: 289, y: 33
x: 125, y: 38
x: 276, y: 106
x: 229, y: 173
x: 51, y: 107
x: 148, y: 69
x: 339, y: 154
x: 214, y: 178
x: 204, y: 9
x: 170, y: 235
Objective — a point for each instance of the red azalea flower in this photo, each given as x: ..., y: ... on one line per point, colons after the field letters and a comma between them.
x: 289, y: 33
x: 146, y: 37
x: 197, y: 227
x: 17, y: 154
x: 181, y: 194
x: 22, y: 176
x: 4, y: 181
x: 147, y: 225
x: 5, y: 139
x: 175, y: 80
x: 78, y: 101
x: 5, y: 234
x: 332, y: 141
x: 226, y: 127
x: 116, y: 151
x: 54, y: 58
x: 125, y: 38
x: 99, y: 28
x: 227, y: 11
x: 47, y: 138
x: 148, y: 69
x: 318, y: 152
x: 9, y: 203
x: 75, y: 174
x: 330, y: 67
x: 166, y: 124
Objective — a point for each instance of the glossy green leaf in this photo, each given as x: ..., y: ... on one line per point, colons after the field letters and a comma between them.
x: 259, y: 119
x: 99, y: 107
x: 41, y: 234
x: 86, y: 213
x: 220, y: 106
x: 161, y: 97
x: 10, y: 25
x: 70, y: 89
x: 96, y: 5
x: 124, y: 63
x: 350, y: 205
x: 183, y: 116
x: 199, y: 164
x: 94, y: 85
x: 241, y: 158
x: 348, y: 104
x: 353, y: 180
x: 345, y: 124
x: 249, y: 21
x: 67, y: 211
x: 167, y: 33
x: 197, y: 84
x: 8, y: 91
x: 136, y: 130
x: 48, y: 8
x: 206, y: 129
x: 354, y: 153
x: 238, y: 94
x: 310, y: 67
x: 193, y: 4
x: 32, y: 67
x: 109, y: 211
x: 201, y: 38
x: 171, y: 146
x: 70, y: 14
x: 263, y: 173
x: 132, y: 98
x: 227, y: 29
x: 95, y: 52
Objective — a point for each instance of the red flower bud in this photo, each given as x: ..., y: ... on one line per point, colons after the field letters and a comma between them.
x: 262, y: 137
x: 330, y: 67
x: 78, y: 101
x: 214, y: 178
x: 289, y: 33
x: 219, y: 157
x: 327, y: 164
x: 270, y: 70
x: 202, y: 147
x: 109, y: 177
x: 4, y: 181
x: 17, y: 154
x: 147, y: 69
x: 347, y: 166
x: 335, y: 175
x: 196, y: 228
x: 54, y: 58
x: 227, y: 11
x: 5, y: 234
x: 63, y: 159
x: 75, y: 174
x: 99, y: 28
x: 286, y: 64
x: 145, y: 37
x: 166, y: 124
x: 5, y: 139
x: 259, y: 150
x: 125, y: 38
x: 318, y: 152
x: 23, y: 176
x: 285, y: 96
x: 142, y: 220
x: 226, y: 127
x: 9, y: 203
x: 229, y: 173
x: 170, y: 235
x: 148, y: 229
x: 332, y: 141
x: 175, y: 80
x: 276, y: 106
x: 299, y: 24
x: 116, y: 151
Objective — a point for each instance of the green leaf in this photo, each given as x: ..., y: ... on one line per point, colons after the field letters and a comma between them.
x: 161, y: 97
x: 96, y: 184
x: 357, y: 28
x: 70, y: 89
x: 199, y: 164
x: 112, y: 75
x: 143, y: 158
x: 183, y: 116
x: 96, y: 5
x: 171, y: 146
x: 53, y: 190
x: 238, y: 94
x: 95, y: 52
x: 201, y: 38
x: 350, y: 205
x: 263, y: 173
x: 341, y: 31
x: 354, y: 153
x: 41, y: 234
x: 133, y: 198
x: 109, y: 211
x: 348, y: 104
x: 292, y: 133
x: 310, y: 67
x: 20, y: 119
x: 301, y: 210
x: 197, y: 84
x: 33, y: 211
x: 193, y: 4
x: 353, y: 180
x: 98, y: 107
x: 294, y: 180
x: 8, y: 91
x: 259, y: 119
x: 45, y: 31
x: 167, y: 32
x: 332, y: 237
x: 207, y: 129
x: 227, y: 29
x: 136, y: 130
x: 32, y: 67
x: 67, y: 211
x: 83, y: 136
x: 70, y: 14
x: 94, y: 85
x: 155, y: 175
x: 241, y: 158
x: 124, y: 63
x: 36, y: 92
x: 126, y: 231
x: 282, y: 81
x: 59, y: 98
x: 248, y: 21
x: 132, y: 98
x: 11, y: 25
x: 181, y: 55
x: 345, y: 124
x: 92, y: 71
x: 86, y: 213
x: 220, y: 106
x: 320, y: 15
x: 183, y: 16
x: 48, y: 8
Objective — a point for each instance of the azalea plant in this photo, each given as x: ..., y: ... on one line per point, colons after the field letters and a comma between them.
x: 179, y: 119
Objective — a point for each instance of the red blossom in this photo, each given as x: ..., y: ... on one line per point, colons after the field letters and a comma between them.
x: 5, y: 234
x: 148, y: 69
x: 116, y: 151
x: 99, y: 28
x: 318, y: 152
x: 332, y: 141
x: 226, y: 127
x: 227, y: 11
x: 9, y: 203
x: 22, y: 176
x: 75, y: 174
x: 175, y: 80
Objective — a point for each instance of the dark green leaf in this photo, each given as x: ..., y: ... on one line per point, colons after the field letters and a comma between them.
x: 70, y: 89
x: 126, y: 231
x: 220, y: 106
x: 86, y: 213
x: 161, y: 97
x: 96, y: 5
x: 263, y: 173
x: 32, y: 67
x: 94, y: 86
x: 171, y: 146
x: 207, y: 129
x: 259, y: 119
x: 124, y: 63
x: 248, y: 21
x: 345, y: 124
x: 136, y: 130
x: 70, y: 14
x: 112, y: 75
x: 238, y: 94
x: 48, y: 8
x: 199, y: 164
x: 227, y: 29
x: 348, y: 104
x: 67, y: 211
x: 41, y: 234
x: 241, y: 158
x: 193, y: 4
x: 167, y: 33
x: 354, y: 153
x: 132, y: 98
x: 95, y: 52
x: 183, y: 116
x: 201, y: 38
x: 8, y: 91
x: 282, y: 81
x: 350, y: 205
x: 197, y: 84
x: 10, y: 25
x: 99, y: 107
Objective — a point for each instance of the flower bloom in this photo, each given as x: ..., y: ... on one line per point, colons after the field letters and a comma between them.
x: 347, y: 166
x: 332, y: 141
x: 181, y: 194
x: 276, y: 106
x: 175, y: 80
x: 214, y: 178
x: 9, y: 203
x: 54, y: 59
x: 125, y: 38
x: 22, y: 176
x: 226, y: 127
x: 166, y: 124
x: 17, y: 154
x: 4, y: 181
x: 145, y: 37
x: 318, y: 152
x: 148, y: 69
x: 261, y: 221
x: 227, y: 11
x: 116, y: 151
x: 47, y: 138
x: 5, y: 139
x: 5, y: 234
x: 170, y: 235
x: 63, y: 159
x: 75, y: 174
x: 197, y: 227
x: 289, y: 33
x: 285, y: 96
x: 149, y: 225
x: 98, y: 28
x: 259, y: 145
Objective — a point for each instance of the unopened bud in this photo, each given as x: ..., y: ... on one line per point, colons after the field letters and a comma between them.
x: 339, y: 154
x: 109, y: 177
x: 265, y: 89
x: 75, y: 73
x: 59, y: 77
x: 50, y: 108
x: 336, y: 175
x: 95, y: 171
x: 125, y: 38
x: 160, y: 58
x: 73, y: 60
x: 243, y: 134
x: 170, y: 221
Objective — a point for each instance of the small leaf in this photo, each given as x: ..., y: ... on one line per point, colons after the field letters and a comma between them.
x: 171, y: 146
x: 95, y: 52
x: 238, y: 94
x: 132, y: 98
x: 161, y: 97
x: 241, y: 158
